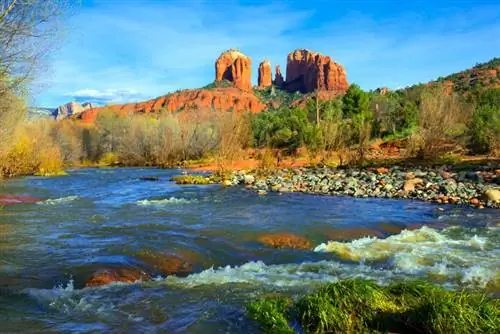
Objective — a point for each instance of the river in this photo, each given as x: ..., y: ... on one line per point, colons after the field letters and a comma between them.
x: 96, y: 219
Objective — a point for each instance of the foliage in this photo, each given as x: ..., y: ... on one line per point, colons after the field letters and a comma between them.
x: 191, y: 179
x: 33, y: 151
x: 355, y: 105
x: 286, y: 128
x: 360, y: 306
x: 484, y: 130
x: 442, y: 118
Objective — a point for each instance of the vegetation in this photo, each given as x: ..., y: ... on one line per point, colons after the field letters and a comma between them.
x: 360, y: 306
x: 191, y: 179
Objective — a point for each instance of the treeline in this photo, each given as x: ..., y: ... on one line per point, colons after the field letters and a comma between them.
x: 430, y: 119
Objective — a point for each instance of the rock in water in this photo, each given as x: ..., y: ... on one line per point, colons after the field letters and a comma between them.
x: 235, y: 67
x: 285, y: 240
x: 308, y: 71
x: 123, y: 275
x: 265, y: 74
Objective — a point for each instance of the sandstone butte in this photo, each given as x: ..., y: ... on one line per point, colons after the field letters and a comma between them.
x: 265, y: 74
x: 278, y: 77
x: 235, y: 67
x: 308, y: 71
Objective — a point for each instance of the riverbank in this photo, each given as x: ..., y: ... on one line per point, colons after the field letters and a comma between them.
x: 478, y: 187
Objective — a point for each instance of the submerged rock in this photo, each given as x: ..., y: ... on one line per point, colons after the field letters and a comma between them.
x: 18, y: 199
x: 285, y: 240
x: 167, y: 264
x: 122, y: 275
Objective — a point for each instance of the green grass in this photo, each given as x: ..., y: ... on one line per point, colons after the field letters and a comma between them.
x: 360, y: 306
x: 191, y: 179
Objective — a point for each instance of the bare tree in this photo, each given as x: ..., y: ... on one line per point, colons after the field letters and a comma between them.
x: 28, y: 32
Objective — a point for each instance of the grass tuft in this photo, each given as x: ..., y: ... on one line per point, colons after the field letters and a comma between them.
x: 361, y: 306
x: 271, y: 314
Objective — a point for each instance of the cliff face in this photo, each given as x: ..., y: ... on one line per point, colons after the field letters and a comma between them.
x: 308, y: 71
x: 234, y: 67
x: 218, y: 99
x: 278, y: 77
x: 265, y: 74
x: 70, y: 109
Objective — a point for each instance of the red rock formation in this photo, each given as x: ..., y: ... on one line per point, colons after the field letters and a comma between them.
x: 265, y: 75
x: 278, y: 77
x: 234, y: 67
x: 217, y: 99
x: 308, y: 71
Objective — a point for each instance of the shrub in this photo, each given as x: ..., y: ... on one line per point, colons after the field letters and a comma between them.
x: 191, y: 179
x: 484, y: 130
x: 442, y: 118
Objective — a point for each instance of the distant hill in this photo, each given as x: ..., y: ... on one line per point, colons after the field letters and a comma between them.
x: 482, y: 76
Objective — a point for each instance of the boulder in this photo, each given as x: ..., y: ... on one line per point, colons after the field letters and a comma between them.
x: 411, y: 183
x: 122, y: 275
x: 249, y: 179
x: 235, y: 67
x: 265, y: 74
x: 492, y: 195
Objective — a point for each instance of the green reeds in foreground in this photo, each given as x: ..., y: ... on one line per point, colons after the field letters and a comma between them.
x: 360, y: 306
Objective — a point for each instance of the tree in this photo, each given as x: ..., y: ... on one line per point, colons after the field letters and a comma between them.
x: 355, y: 105
x: 27, y: 33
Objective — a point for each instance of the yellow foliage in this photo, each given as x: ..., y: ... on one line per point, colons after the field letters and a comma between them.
x: 109, y: 159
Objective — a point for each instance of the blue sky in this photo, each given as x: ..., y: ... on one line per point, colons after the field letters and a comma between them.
x: 117, y: 51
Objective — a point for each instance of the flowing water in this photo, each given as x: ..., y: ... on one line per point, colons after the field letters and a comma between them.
x: 96, y: 219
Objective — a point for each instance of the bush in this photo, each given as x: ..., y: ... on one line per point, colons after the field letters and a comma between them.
x: 33, y: 151
x: 191, y: 179
x: 442, y: 118
x: 484, y: 130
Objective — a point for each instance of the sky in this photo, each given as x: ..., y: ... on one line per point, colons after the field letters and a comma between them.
x: 116, y: 51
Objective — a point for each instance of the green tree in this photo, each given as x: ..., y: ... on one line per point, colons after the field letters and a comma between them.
x: 355, y: 105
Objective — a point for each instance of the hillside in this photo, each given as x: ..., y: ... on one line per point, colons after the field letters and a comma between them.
x: 481, y: 76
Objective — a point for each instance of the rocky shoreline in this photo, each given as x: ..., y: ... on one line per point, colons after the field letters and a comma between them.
x: 478, y: 188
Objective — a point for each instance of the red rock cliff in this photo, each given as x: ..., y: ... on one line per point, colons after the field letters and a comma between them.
x: 265, y: 74
x: 217, y: 99
x: 308, y: 71
x: 278, y: 77
x: 234, y: 67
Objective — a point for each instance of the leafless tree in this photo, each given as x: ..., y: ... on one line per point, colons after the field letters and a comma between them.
x: 28, y: 32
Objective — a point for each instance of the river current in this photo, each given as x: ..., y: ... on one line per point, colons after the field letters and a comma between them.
x: 96, y: 219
